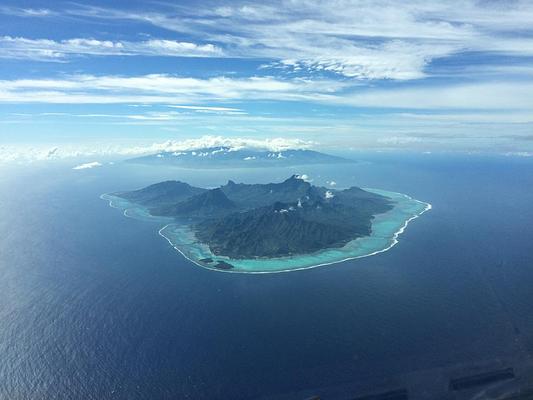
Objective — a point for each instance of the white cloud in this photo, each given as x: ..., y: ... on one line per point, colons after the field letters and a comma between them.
x: 51, y: 50
x: 304, y: 177
x: 159, y: 88
x: 519, y: 154
x: 487, y: 117
x: 36, y: 12
x: 356, y: 38
x: 208, y: 109
x: 485, y: 95
x: 399, y: 140
x: 27, y: 12
x: 211, y: 110
x: 24, y: 154
x: 89, y: 165
x: 271, y: 144
x: 395, y: 59
x: 162, y: 88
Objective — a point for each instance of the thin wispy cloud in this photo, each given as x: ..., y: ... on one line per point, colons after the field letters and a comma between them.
x: 354, y: 38
x: 206, y: 108
x: 88, y: 89
x: 51, y: 50
x: 158, y: 88
x: 486, y: 95
x: 27, y: 12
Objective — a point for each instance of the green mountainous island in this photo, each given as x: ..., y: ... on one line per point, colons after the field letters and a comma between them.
x: 269, y: 227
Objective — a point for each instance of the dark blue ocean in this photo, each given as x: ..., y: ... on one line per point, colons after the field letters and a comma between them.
x: 94, y: 305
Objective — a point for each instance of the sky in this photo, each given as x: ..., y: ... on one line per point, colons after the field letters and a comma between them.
x: 101, y: 77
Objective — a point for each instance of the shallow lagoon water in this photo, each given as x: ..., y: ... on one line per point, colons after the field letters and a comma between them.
x: 386, y: 228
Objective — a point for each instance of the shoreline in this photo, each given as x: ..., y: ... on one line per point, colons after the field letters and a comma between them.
x: 394, y: 240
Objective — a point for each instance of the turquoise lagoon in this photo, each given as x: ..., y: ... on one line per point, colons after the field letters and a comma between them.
x: 386, y: 229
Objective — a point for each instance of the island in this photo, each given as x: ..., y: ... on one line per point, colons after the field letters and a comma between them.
x: 237, y: 157
x: 273, y: 227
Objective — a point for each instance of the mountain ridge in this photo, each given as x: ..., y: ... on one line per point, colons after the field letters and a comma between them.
x: 241, y: 220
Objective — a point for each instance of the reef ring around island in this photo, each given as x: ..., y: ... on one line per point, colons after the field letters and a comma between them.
x: 386, y: 228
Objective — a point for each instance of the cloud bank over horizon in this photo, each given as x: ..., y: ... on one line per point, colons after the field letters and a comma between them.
x: 25, y: 154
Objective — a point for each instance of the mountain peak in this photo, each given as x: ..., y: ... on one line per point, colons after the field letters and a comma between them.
x: 214, y: 195
x: 297, y: 179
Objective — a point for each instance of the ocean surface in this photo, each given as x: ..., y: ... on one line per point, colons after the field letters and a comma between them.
x: 97, y: 306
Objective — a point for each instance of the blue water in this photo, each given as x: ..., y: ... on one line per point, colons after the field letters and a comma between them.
x: 97, y: 306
